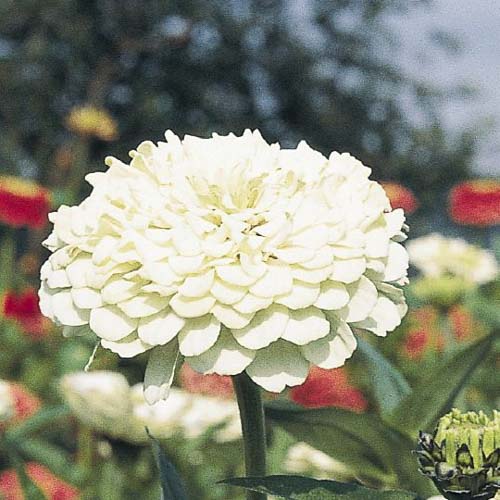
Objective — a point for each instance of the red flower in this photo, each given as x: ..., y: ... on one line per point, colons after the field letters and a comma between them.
x: 476, y: 203
x: 416, y: 343
x: 210, y: 385
x: 400, y: 197
x: 23, y: 203
x: 462, y: 322
x: 329, y: 388
x: 24, y: 309
x: 26, y: 404
x: 53, y: 487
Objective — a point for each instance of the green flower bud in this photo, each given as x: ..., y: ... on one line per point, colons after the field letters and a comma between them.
x: 462, y: 457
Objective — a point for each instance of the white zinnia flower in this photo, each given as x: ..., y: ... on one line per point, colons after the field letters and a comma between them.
x: 435, y: 256
x: 231, y: 253
x: 7, y: 408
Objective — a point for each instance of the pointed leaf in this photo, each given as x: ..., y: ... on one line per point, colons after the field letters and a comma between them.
x: 44, y: 417
x: 434, y: 395
x: 172, y: 485
x: 356, y: 440
x: 305, y: 488
x: 390, y: 386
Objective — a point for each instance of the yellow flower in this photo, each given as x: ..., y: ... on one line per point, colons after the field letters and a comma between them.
x: 90, y: 121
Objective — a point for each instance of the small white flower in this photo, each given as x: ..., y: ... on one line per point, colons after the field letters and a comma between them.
x: 229, y: 253
x: 435, y: 256
x: 7, y: 409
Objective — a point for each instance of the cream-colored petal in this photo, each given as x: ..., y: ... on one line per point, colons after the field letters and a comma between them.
x: 333, y: 295
x: 384, y: 317
x: 266, y: 327
x: 302, y: 295
x: 306, y: 325
x: 160, y: 328
x: 314, y: 276
x: 228, y: 294
x: 110, y: 323
x: 58, y: 279
x: 397, y: 262
x: 277, y: 366
x: 226, y: 357
x: 191, y: 307
x: 78, y: 271
x: 198, y: 335
x: 294, y: 255
x: 144, y: 304
x: 363, y: 297
x: 331, y: 351
x: 65, y: 311
x: 234, y: 274
x: 349, y: 270
x: 118, y: 289
x: 183, y: 265
x: 45, y: 295
x: 160, y: 371
x: 128, y: 347
x: 277, y: 281
x: 230, y: 317
x: 199, y: 285
x: 86, y: 298
x: 251, y: 303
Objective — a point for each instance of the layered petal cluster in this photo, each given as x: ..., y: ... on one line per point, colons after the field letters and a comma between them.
x: 231, y: 253
x: 435, y: 256
x: 104, y: 401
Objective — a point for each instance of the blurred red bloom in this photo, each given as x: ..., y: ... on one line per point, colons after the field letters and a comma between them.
x: 210, y: 385
x: 462, y: 322
x: 23, y: 203
x: 53, y: 487
x: 26, y: 404
x: 24, y: 309
x: 476, y: 203
x: 416, y: 343
x: 400, y: 197
x: 329, y: 388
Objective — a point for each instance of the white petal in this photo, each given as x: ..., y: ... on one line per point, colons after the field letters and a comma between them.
x: 395, y: 221
x: 311, y: 237
x: 160, y: 372
x: 58, y: 279
x: 226, y: 357
x: 191, y: 307
x: 363, y: 297
x: 118, y: 289
x: 294, y: 255
x: 144, y: 304
x: 302, y: 295
x: 322, y: 258
x: 65, y: 310
x: 230, y: 317
x: 266, y: 327
x: 160, y: 328
x: 276, y: 281
x: 197, y: 286
x: 186, y: 265
x: 385, y: 317
x: 332, y: 350
x: 128, y: 347
x: 78, y: 270
x: 332, y: 296
x: 86, y: 298
x: 250, y: 303
x: 306, y: 325
x: 45, y: 295
x: 198, y: 335
x: 277, y: 366
x: 311, y: 275
x: 234, y: 275
x: 110, y: 323
x: 397, y: 262
x: 226, y: 293
x: 185, y: 241
x: 348, y: 271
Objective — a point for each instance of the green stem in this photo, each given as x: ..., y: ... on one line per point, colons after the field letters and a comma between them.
x: 252, y: 424
x: 7, y: 258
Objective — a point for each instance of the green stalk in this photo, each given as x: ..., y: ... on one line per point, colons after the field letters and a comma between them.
x: 7, y: 258
x: 252, y: 424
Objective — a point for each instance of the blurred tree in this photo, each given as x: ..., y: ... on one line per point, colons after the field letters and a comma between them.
x: 325, y: 71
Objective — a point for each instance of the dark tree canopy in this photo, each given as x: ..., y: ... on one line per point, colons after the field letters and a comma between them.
x: 327, y: 75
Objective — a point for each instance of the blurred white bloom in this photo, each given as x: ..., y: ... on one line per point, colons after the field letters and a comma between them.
x: 229, y: 253
x: 435, y: 256
x: 105, y: 402
x: 304, y: 459
x: 99, y: 399
x: 7, y: 409
x: 437, y: 497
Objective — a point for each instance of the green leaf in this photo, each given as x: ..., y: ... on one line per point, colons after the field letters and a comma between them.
x: 435, y: 393
x: 390, y: 386
x: 46, y: 416
x: 172, y: 485
x: 305, y: 488
x: 30, y: 489
x: 355, y: 439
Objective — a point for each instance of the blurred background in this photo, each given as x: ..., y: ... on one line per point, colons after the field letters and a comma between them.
x: 410, y: 88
